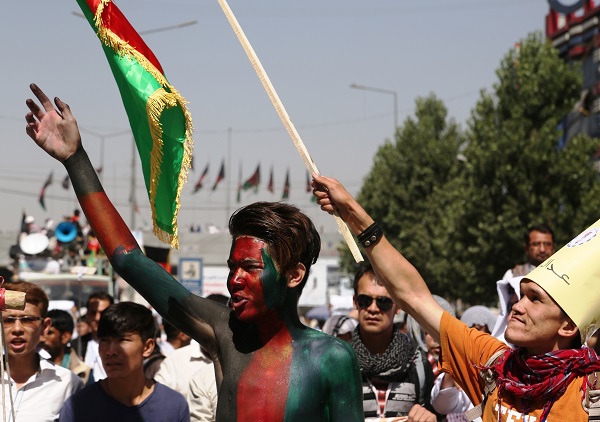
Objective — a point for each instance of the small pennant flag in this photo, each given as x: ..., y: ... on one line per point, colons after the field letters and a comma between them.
x: 253, y: 181
x: 200, y: 181
x: 286, y: 186
x: 308, y: 185
x: 42, y: 198
x: 239, y: 189
x: 220, y: 176
x: 66, y: 182
x: 270, y: 187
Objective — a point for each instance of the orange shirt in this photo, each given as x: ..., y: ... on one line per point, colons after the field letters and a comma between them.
x: 464, y: 350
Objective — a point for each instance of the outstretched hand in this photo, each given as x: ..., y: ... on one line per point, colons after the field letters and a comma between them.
x: 53, y: 129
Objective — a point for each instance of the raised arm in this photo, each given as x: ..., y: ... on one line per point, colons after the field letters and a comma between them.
x: 401, y: 279
x: 55, y: 131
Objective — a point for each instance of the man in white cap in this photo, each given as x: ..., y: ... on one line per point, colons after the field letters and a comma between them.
x: 545, y: 377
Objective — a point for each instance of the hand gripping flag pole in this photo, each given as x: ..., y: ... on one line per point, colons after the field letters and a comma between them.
x: 289, y: 126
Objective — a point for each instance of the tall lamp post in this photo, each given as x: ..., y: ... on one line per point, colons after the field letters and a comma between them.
x: 382, y: 91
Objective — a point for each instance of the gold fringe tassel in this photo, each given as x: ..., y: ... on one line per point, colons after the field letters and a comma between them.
x: 167, y: 96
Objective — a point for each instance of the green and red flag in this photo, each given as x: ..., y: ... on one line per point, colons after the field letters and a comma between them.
x: 42, y: 197
x: 220, y: 176
x: 160, y: 121
x: 239, y: 188
x: 253, y: 181
x: 200, y: 181
x: 270, y: 186
x: 286, y: 186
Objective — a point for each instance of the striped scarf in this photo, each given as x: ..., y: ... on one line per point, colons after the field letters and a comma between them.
x: 390, y: 366
x: 542, y: 377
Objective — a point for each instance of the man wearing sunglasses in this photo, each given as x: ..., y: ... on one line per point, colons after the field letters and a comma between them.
x: 397, y: 378
x: 549, y: 375
x: 39, y: 387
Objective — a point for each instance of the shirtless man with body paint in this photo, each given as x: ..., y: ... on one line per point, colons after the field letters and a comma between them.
x: 268, y: 365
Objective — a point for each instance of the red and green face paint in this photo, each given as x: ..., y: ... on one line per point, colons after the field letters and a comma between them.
x: 254, y: 283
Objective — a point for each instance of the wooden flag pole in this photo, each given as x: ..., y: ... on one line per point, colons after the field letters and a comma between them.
x: 287, y: 122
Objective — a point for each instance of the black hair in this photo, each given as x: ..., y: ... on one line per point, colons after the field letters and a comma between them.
x: 102, y: 295
x: 290, y: 235
x: 542, y: 228
x: 170, y: 331
x: 33, y: 294
x: 364, y: 268
x: 61, y: 320
x: 124, y: 318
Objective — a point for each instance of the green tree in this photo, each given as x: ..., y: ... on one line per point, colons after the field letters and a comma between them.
x: 461, y: 221
x: 515, y: 175
x: 400, y: 188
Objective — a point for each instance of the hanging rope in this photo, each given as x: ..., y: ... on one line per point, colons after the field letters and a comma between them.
x: 8, y: 300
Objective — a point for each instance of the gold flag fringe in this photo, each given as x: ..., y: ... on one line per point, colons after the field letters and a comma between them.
x: 167, y: 96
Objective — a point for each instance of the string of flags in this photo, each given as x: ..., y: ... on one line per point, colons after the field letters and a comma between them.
x: 251, y: 183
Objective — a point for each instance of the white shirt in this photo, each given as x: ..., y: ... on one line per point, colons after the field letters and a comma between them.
x: 43, y: 395
x: 202, y: 395
x: 177, y: 369
x: 92, y: 359
x: 166, y: 348
x: 450, y: 400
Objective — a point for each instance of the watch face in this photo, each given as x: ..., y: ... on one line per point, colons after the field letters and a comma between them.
x: 566, y: 6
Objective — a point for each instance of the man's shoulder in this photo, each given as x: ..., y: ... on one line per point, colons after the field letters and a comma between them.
x: 163, y: 391
x: 315, y: 337
x: 57, y: 373
x: 317, y: 344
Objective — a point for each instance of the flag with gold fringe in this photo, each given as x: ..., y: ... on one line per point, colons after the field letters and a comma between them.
x: 158, y: 115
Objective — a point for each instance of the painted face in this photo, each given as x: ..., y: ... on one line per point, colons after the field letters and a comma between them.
x: 534, y: 320
x: 94, y: 312
x: 123, y: 356
x: 253, y: 282
x: 372, y: 319
x: 23, y: 330
x: 540, y: 247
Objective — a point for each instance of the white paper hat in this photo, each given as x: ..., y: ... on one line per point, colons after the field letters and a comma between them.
x: 572, y: 277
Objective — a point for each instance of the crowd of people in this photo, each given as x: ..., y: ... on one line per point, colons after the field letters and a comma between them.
x: 253, y: 359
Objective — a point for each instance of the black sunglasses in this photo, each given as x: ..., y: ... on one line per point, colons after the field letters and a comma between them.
x: 383, y: 303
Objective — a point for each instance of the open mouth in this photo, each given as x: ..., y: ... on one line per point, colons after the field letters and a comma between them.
x: 18, y: 344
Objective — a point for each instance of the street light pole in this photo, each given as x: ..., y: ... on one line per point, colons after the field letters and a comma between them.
x: 382, y: 91
x: 103, y: 137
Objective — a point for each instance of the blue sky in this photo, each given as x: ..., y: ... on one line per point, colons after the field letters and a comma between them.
x: 312, y: 51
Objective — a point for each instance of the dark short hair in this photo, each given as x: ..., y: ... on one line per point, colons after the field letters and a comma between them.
x: 124, y: 318
x: 542, y: 228
x: 290, y: 235
x: 364, y: 268
x: 102, y: 295
x: 170, y: 331
x: 61, y: 320
x: 33, y: 294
